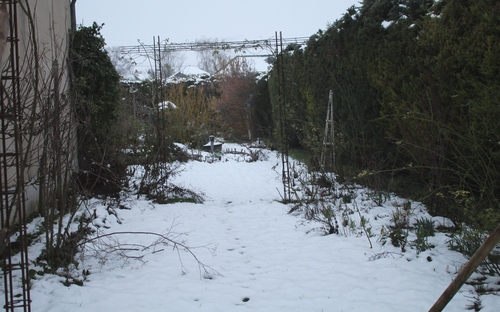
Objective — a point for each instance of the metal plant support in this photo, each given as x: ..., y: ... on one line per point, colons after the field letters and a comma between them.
x: 13, y: 232
x: 283, y: 119
x: 237, y: 46
x: 328, y: 150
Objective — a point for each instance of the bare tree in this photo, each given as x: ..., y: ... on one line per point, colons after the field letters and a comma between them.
x: 124, y: 64
x: 172, y: 62
x: 212, y: 61
x: 238, y: 84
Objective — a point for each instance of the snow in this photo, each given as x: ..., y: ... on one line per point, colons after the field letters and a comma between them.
x: 386, y: 24
x: 166, y: 105
x: 193, y: 71
x: 255, y: 256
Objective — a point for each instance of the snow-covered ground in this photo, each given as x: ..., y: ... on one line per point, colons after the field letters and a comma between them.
x: 255, y: 256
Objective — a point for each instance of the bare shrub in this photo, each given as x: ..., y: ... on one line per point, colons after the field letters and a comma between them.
x: 316, y: 199
x: 323, y: 213
x: 399, y: 229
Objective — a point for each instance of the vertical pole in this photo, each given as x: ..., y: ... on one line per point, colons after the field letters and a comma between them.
x: 282, y: 116
x: 212, y: 139
x: 161, y: 99
x: 73, y: 15
x: 332, y: 131
x: 12, y: 192
x: 329, y: 137
x: 160, y: 69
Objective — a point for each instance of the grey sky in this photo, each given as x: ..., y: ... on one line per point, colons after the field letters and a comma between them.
x: 126, y: 21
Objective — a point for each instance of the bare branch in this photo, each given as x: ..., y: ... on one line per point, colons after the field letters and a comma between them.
x: 121, y: 249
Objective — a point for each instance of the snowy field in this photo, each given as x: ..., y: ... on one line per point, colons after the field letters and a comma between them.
x: 254, y: 255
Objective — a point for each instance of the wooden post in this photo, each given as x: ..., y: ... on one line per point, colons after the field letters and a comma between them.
x: 467, y: 271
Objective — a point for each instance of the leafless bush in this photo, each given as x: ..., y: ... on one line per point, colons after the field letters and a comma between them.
x: 256, y: 155
x: 316, y: 199
x: 323, y: 213
x: 399, y: 229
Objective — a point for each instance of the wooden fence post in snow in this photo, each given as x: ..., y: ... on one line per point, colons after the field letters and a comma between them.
x: 467, y: 271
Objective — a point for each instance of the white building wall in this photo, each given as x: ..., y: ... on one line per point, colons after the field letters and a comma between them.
x: 43, y: 34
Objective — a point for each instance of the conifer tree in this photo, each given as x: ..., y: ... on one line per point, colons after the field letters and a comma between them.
x: 96, y: 94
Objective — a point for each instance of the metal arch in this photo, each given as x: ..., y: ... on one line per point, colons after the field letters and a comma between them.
x: 241, y: 46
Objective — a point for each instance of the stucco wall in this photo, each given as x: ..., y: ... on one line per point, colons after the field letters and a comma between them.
x: 52, y: 22
x: 43, y: 33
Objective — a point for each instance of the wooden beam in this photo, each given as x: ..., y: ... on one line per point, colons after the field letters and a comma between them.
x: 467, y: 271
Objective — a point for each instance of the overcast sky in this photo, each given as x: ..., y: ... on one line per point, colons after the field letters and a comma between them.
x: 126, y: 21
